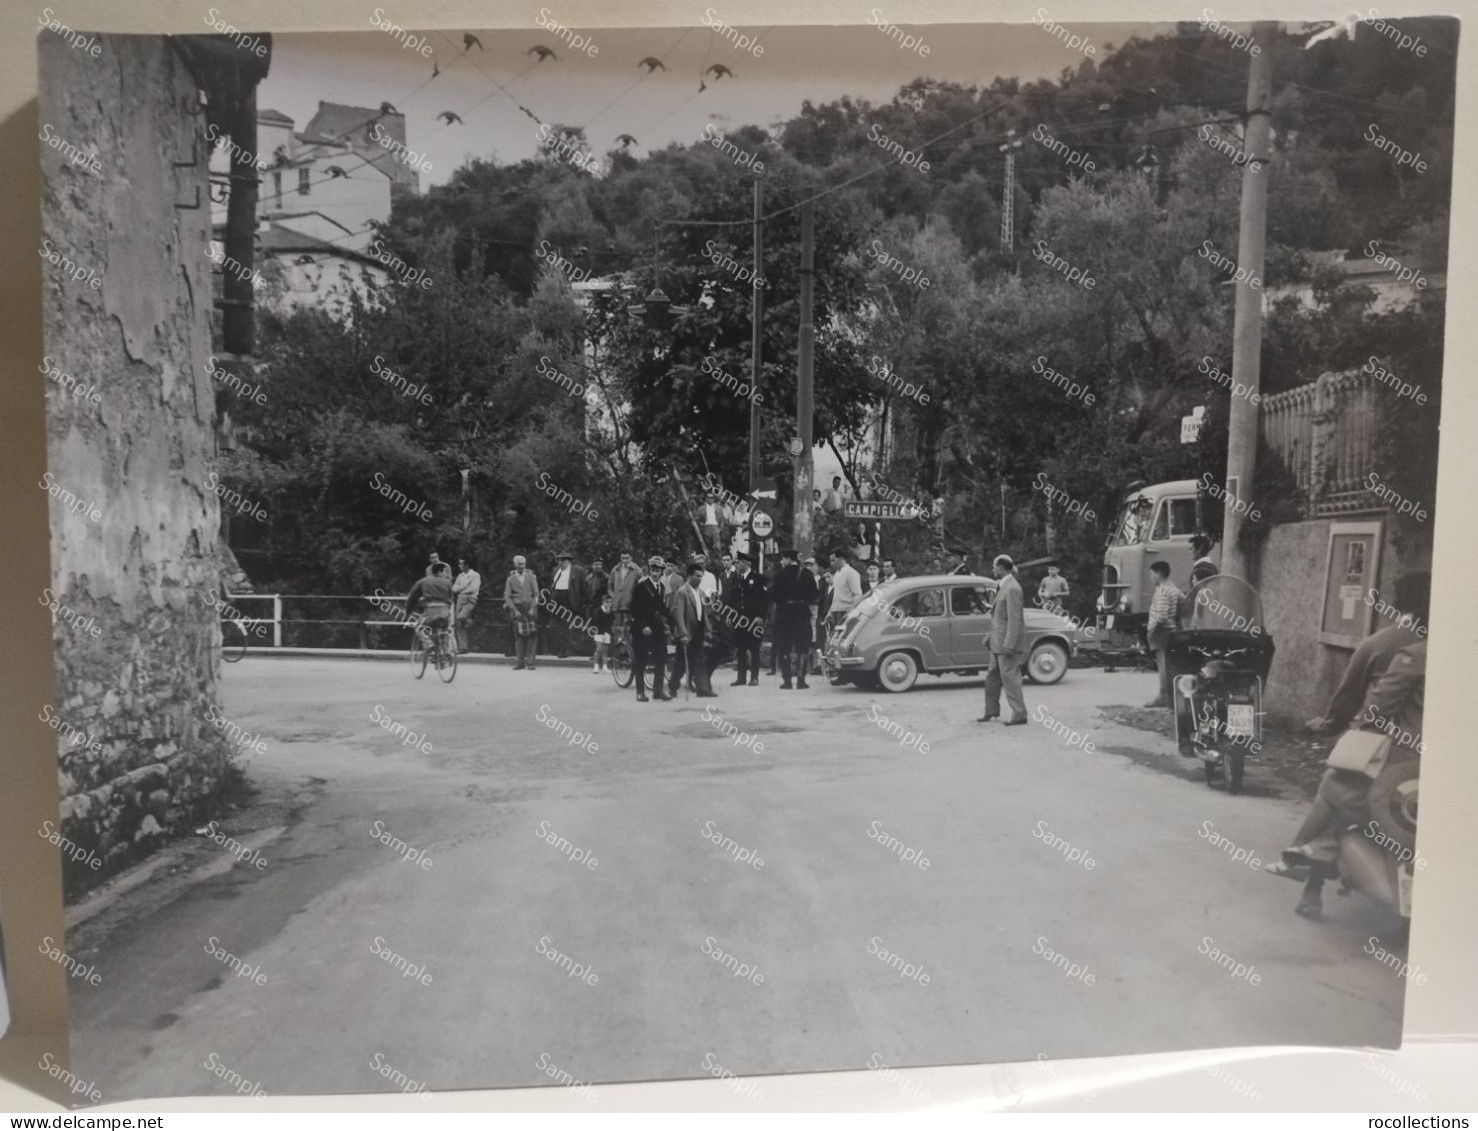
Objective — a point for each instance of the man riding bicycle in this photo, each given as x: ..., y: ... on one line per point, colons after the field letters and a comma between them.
x: 432, y: 594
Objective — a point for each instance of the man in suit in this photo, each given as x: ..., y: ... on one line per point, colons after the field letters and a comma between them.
x: 1007, y: 646
x: 521, y: 599
x: 567, y: 592
x: 692, y: 624
x: 649, y: 623
x: 746, y: 602
x: 795, y: 593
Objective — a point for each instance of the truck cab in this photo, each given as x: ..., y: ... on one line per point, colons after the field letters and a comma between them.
x: 1154, y: 523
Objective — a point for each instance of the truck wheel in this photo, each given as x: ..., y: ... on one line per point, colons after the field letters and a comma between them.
x: 1047, y: 663
x: 897, y: 672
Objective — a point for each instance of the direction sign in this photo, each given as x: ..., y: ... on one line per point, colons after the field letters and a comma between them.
x: 879, y: 510
x: 761, y: 525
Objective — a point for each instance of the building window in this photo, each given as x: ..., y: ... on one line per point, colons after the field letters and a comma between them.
x: 303, y: 182
x: 277, y: 189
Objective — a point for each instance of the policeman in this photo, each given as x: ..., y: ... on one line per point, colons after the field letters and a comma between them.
x: 794, y: 593
x: 745, y: 600
x: 649, y: 621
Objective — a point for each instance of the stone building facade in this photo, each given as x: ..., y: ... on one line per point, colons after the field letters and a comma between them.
x: 131, y: 447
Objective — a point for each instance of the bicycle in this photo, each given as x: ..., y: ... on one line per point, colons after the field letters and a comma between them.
x: 622, y: 656
x: 442, y: 650
x: 233, y: 638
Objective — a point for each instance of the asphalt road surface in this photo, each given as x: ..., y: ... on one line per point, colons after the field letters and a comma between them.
x: 507, y: 962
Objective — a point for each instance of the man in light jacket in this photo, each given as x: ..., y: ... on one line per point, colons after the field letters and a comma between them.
x: 1007, y: 646
x: 465, y: 591
x: 521, y: 599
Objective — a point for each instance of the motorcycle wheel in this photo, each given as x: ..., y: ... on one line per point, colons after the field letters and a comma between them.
x: 1392, y: 803
x: 1234, y: 771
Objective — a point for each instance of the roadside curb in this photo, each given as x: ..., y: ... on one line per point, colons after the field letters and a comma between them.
x: 398, y: 656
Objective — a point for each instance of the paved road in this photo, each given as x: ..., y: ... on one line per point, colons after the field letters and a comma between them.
x: 999, y: 896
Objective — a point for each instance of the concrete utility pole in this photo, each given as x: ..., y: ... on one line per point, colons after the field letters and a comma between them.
x: 1242, y: 431
x: 805, y: 460
x: 756, y: 310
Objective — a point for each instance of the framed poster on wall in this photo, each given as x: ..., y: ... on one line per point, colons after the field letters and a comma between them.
x: 1349, y: 574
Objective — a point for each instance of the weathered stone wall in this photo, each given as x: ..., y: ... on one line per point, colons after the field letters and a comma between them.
x: 134, y: 519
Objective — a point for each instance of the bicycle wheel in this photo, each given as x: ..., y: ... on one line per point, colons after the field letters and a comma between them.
x: 233, y: 641
x: 446, y: 657
x: 418, y: 654
x: 621, y: 669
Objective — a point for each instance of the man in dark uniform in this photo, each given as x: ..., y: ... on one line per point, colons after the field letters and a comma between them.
x: 649, y: 621
x: 746, y: 601
x: 794, y: 593
x: 963, y: 567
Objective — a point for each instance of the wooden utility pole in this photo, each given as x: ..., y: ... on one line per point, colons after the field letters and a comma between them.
x: 238, y: 320
x: 756, y: 310
x: 1242, y: 430
x: 805, y: 460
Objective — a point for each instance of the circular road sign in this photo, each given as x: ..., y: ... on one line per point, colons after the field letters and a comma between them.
x: 761, y: 525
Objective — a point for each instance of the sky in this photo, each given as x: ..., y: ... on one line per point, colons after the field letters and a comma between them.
x: 610, y: 94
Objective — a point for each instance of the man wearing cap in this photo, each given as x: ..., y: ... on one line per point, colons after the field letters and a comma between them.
x: 745, y: 601
x: 1007, y: 646
x: 521, y: 599
x: 649, y: 622
x: 565, y: 590
x: 964, y: 563
x: 795, y: 594
x: 692, y: 622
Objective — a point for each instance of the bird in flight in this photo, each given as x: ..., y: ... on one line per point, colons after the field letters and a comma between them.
x: 386, y: 108
x: 468, y: 40
x: 449, y: 117
x: 627, y: 140
x: 718, y: 71
x: 435, y: 68
x: 335, y: 171
x: 652, y: 63
x: 542, y: 52
x: 302, y: 259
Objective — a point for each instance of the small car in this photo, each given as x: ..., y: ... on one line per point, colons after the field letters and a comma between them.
x: 938, y: 625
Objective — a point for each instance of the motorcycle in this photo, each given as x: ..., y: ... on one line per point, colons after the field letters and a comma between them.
x: 1218, y: 666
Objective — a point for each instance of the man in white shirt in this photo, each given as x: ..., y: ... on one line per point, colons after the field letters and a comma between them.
x: 713, y: 519
x: 465, y: 591
x: 566, y: 588
x: 846, y: 588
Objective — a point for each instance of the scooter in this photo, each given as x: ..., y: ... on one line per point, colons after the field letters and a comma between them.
x: 1218, y: 666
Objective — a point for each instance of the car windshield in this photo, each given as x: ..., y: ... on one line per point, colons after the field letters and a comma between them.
x: 1134, y: 522
x: 1227, y: 603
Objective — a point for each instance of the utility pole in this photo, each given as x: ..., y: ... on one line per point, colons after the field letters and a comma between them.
x: 1008, y: 195
x: 805, y: 460
x: 1242, y: 431
x: 756, y: 310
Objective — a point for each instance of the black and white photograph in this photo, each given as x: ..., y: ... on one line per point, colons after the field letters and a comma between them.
x: 585, y: 555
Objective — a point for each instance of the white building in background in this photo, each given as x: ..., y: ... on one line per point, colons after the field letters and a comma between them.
x: 321, y: 192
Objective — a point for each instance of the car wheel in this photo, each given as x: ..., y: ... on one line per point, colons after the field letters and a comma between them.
x: 897, y: 671
x: 1047, y: 663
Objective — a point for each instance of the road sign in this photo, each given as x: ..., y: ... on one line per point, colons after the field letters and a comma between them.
x: 761, y: 525
x: 879, y: 510
x: 1190, y: 426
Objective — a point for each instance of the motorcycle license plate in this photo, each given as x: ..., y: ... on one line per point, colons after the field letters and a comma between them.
x: 1404, y: 883
x: 1240, y: 720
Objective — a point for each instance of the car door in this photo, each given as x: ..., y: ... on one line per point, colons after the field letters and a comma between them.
x: 920, y: 618
x: 969, y: 625
x: 1170, y: 538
